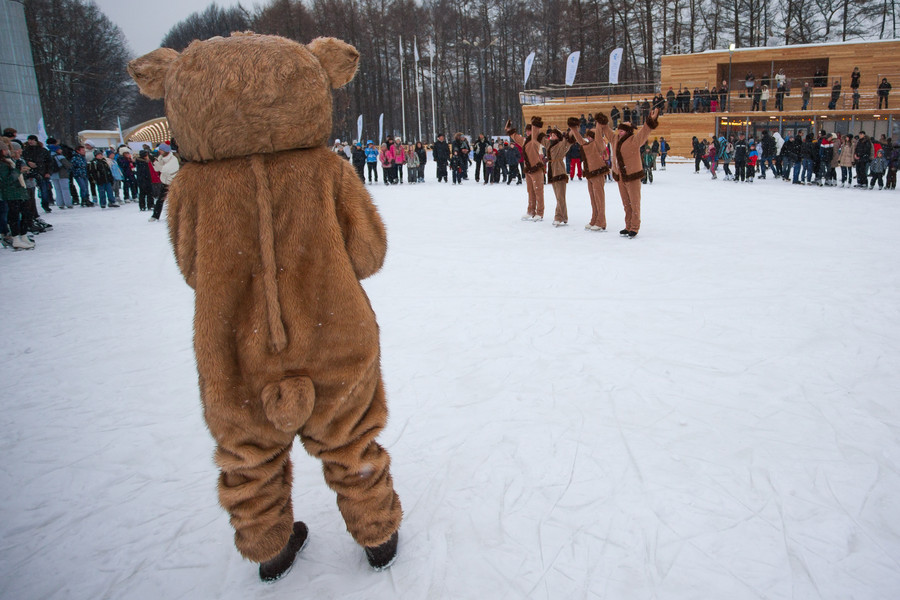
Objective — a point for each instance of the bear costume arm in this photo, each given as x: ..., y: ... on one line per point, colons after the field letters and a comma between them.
x: 183, y: 231
x: 364, y: 234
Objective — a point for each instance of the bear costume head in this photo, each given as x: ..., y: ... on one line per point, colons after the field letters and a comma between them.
x: 279, y: 98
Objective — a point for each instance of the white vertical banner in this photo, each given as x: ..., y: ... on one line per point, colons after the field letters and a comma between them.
x: 119, y: 123
x: 380, y: 129
x: 572, y: 67
x: 418, y: 95
x: 359, y: 129
x: 529, y: 62
x: 433, y: 114
x: 615, y: 61
x: 41, y: 132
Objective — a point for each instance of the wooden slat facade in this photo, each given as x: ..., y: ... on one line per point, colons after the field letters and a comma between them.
x: 875, y: 60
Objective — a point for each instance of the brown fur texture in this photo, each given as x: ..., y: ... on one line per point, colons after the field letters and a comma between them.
x: 274, y: 232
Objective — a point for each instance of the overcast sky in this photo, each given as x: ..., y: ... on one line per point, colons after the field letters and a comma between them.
x: 144, y: 23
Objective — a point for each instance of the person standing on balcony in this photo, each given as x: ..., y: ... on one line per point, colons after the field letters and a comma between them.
x: 764, y: 97
x: 723, y: 95
x: 884, y: 89
x: 835, y: 95
x: 805, y: 95
x: 854, y: 78
x: 670, y: 101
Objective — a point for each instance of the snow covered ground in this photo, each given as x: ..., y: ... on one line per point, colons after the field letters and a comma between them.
x: 707, y: 411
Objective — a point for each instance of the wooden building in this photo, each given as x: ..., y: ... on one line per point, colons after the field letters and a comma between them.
x: 818, y: 65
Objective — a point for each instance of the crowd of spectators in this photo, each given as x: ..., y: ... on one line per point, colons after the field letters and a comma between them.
x: 802, y: 159
x: 63, y: 176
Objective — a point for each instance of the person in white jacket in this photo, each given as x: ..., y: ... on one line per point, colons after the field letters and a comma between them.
x: 167, y: 166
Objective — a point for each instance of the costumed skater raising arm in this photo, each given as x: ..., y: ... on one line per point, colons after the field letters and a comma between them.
x: 534, y: 166
x: 593, y: 149
x: 557, y: 145
x: 627, y: 168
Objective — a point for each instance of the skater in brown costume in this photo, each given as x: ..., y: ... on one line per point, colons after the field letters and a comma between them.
x: 273, y: 232
x: 557, y: 145
x: 627, y: 168
x: 534, y: 166
x: 593, y: 149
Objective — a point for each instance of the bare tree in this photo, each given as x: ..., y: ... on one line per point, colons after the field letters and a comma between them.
x: 79, y: 59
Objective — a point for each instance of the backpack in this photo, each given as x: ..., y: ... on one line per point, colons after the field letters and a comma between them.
x: 54, y: 164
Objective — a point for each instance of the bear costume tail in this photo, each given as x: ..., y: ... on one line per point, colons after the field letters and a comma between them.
x: 289, y: 402
x: 277, y: 335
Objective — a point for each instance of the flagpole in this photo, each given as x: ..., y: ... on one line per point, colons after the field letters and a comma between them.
x: 418, y: 96
x: 402, y: 99
x: 433, y: 117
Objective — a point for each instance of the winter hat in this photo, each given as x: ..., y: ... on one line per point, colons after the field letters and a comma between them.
x: 337, y: 141
x: 16, y: 145
x: 164, y: 147
x: 33, y: 137
x: 98, y: 152
x: 369, y: 142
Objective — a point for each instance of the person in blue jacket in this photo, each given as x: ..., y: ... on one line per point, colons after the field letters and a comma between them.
x: 372, y: 160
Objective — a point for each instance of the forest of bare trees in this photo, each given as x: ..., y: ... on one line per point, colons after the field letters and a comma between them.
x: 484, y: 43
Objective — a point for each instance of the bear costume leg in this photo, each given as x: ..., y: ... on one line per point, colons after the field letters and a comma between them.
x: 598, y: 201
x: 342, y: 435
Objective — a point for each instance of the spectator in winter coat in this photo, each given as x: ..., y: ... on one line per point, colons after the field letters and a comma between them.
x: 167, y: 166
x: 144, y: 181
x: 100, y: 172
x: 422, y: 153
x: 384, y: 157
x: 862, y: 155
x: 835, y: 95
x: 893, y: 161
x: 573, y: 158
x: 358, y: 158
x: 441, y: 154
x: 38, y: 159
x: 490, y: 160
x: 80, y: 175
x: 14, y: 195
x: 741, y: 155
x: 398, y: 157
x: 129, y: 183
x: 456, y: 166
x: 845, y: 160
x: 806, y: 94
x: 60, y: 179
x: 767, y: 155
x: 513, y: 159
x: 854, y: 78
x: 614, y: 115
x: 461, y: 145
x: 663, y: 153
x: 371, y: 161
x: 478, y: 150
x: 877, y: 168
x: 884, y: 89
x: 412, y: 164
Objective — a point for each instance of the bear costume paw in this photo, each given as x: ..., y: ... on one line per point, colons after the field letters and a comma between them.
x: 573, y: 122
x: 601, y: 118
x: 537, y: 122
x: 289, y: 403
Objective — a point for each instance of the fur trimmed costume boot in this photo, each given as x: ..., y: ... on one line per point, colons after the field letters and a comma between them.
x: 276, y: 568
x: 383, y: 556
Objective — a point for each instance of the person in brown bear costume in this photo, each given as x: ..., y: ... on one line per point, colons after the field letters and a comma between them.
x: 274, y: 232
x: 627, y: 167
x: 593, y: 148
x: 534, y: 165
x: 557, y: 145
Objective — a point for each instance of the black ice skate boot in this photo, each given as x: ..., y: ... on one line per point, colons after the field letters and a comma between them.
x: 382, y: 557
x: 276, y: 568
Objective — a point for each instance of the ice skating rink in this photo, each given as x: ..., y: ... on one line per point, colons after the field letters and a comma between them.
x: 708, y: 411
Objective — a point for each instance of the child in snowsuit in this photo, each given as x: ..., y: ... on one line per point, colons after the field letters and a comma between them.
x: 489, y: 159
x: 412, y: 164
x: 876, y: 170
x: 456, y: 167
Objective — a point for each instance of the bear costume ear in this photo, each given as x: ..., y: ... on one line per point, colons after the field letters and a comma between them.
x: 339, y: 59
x: 149, y: 71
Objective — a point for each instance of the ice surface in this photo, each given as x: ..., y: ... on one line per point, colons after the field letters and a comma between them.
x: 707, y: 411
